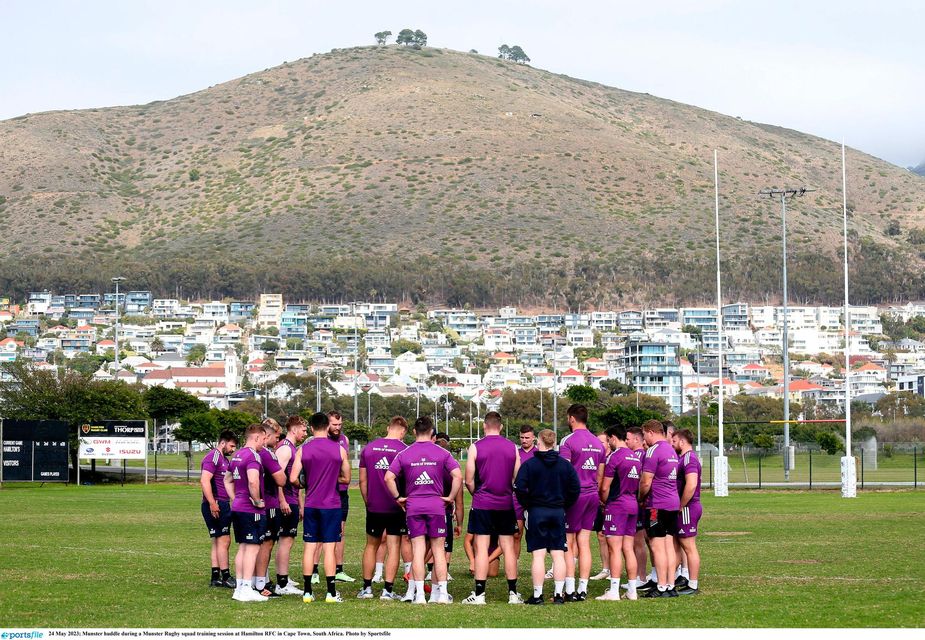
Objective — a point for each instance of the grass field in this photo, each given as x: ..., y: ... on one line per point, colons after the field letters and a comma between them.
x: 136, y: 556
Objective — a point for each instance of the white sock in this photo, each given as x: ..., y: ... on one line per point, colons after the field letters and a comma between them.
x: 663, y: 587
x: 379, y: 568
x: 260, y: 582
x: 570, y: 585
x: 434, y: 592
x: 583, y: 585
x: 407, y: 567
x: 686, y: 573
x: 245, y: 584
x: 615, y: 585
x: 653, y: 576
x: 692, y: 584
x: 679, y: 571
x: 559, y: 585
x: 441, y: 586
x: 238, y: 581
x: 632, y: 587
x: 537, y: 591
x: 418, y: 586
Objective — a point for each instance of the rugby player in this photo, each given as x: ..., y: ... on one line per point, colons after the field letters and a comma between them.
x: 455, y: 512
x: 274, y: 479
x: 216, y: 509
x: 602, y: 546
x: 422, y: 467
x: 689, y: 471
x: 244, y: 481
x: 383, y: 515
x: 619, y: 486
x: 491, y: 467
x: 296, y: 430
x: 546, y: 486
x: 335, y: 432
x: 658, y: 491
x: 325, y: 463
x: 525, y: 451
x: 636, y: 442
x: 586, y: 454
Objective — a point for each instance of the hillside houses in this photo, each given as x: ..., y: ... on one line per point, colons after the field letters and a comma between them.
x: 666, y: 352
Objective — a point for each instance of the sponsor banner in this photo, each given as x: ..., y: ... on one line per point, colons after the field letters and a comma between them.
x: 34, y: 451
x: 127, y: 448
x: 122, y: 439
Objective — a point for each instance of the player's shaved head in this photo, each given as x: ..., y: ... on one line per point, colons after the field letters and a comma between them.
x: 493, y: 420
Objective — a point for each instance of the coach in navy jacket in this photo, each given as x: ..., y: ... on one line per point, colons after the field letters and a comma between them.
x: 546, y: 480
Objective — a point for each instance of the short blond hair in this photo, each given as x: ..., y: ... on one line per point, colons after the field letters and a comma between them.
x: 548, y: 438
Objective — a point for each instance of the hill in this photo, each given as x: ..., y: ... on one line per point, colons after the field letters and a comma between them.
x: 439, y: 176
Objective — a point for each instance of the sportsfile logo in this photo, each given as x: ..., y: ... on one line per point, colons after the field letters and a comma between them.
x: 589, y: 465
x: 423, y: 479
x: 15, y: 635
x: 382, y: 465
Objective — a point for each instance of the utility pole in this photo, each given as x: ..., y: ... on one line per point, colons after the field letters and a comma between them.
x: 555, y: 391
x: 849, y: 487
x: 356, y: 371
x: 115, y: 331
x: 784, y: 195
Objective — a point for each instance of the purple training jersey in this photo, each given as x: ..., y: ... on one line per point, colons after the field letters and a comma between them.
x: 525, y: 454
x: 585, y: 452
x: 376, y: 458
x: 216, y: 464
x: 290, y: 492
x: 270, y: 466
x: 689, y: 463
x: 494, y: 473
x: 244, y: 460
x: 662, y: 461
x: 625, y: 468
x: 423, y: 465
x: 321, y: 462
x: 345, y: 444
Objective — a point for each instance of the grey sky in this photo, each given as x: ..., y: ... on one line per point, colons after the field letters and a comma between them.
x: 847, y: 69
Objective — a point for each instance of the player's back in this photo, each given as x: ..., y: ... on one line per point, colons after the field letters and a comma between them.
x: 376, y: 458
x: 216, y: 464
x: 321, y: 461
x: 496, y: 457
x: 290, y: 492
x: 585, y: 453
x: 662, y: 461
x: 243, y: 460
x: 422, y: 467
x: 689, y: 463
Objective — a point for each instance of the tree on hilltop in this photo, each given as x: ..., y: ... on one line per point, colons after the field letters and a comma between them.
x: 518, y: 55
x: 504, y: 52
x: 420, y: 38
x: 382, y: 37
x: 405, y: 37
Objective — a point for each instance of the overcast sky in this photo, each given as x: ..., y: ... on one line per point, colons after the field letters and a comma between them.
x: 849, y: 69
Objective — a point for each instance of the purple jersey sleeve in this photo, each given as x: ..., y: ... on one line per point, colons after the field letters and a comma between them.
x: 216, y: 464
x: 270, y: 466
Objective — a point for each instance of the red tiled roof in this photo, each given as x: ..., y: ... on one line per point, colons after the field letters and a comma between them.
x: 571, y: 373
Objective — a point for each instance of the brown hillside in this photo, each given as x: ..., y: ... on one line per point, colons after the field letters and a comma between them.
x: 396, y: 157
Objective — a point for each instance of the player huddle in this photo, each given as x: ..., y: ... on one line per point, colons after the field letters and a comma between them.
x: 638, y: 487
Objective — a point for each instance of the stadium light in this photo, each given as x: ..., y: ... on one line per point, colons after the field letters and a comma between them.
x: 784, y: 194
x: 115, y: 332
x: 849, y: 480
x: 721, y: 473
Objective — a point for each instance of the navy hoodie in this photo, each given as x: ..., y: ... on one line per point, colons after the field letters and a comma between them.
x: 548, y: 481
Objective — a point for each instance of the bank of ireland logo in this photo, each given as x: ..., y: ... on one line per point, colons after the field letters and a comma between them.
x: 423, y: 479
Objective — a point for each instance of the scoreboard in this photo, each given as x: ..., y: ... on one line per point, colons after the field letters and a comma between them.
x: 34, y: 451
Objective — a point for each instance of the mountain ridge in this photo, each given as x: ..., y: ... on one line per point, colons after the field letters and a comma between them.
x: 438, y: 175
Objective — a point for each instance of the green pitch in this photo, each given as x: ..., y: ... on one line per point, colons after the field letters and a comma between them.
x: 138, y: 557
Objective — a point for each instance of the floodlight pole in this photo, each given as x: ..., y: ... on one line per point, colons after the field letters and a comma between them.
x: 115, y: 331
x: 721, y: 468
x: 784, y: 194
x: 356, y: 371
x: 555, y: 391
x: 849, y: 481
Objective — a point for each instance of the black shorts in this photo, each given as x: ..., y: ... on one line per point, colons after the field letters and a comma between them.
x: 599, y: 520
x: 448, y: 540
x: 289, y: 525
x: 274, y: 522
x: 393, y: 524
x: 661, y: 523
x: 544, y: 529
x: 248, y: 527
x: 344, y: 504
x: 220, y: 526
x: 492, y: 522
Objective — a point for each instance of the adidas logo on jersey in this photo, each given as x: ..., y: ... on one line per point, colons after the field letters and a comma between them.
x: 589, y: 465
x: 673, y: 475
x: 423, y: 479
x: 633, y: 473
x: 382, y: 465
